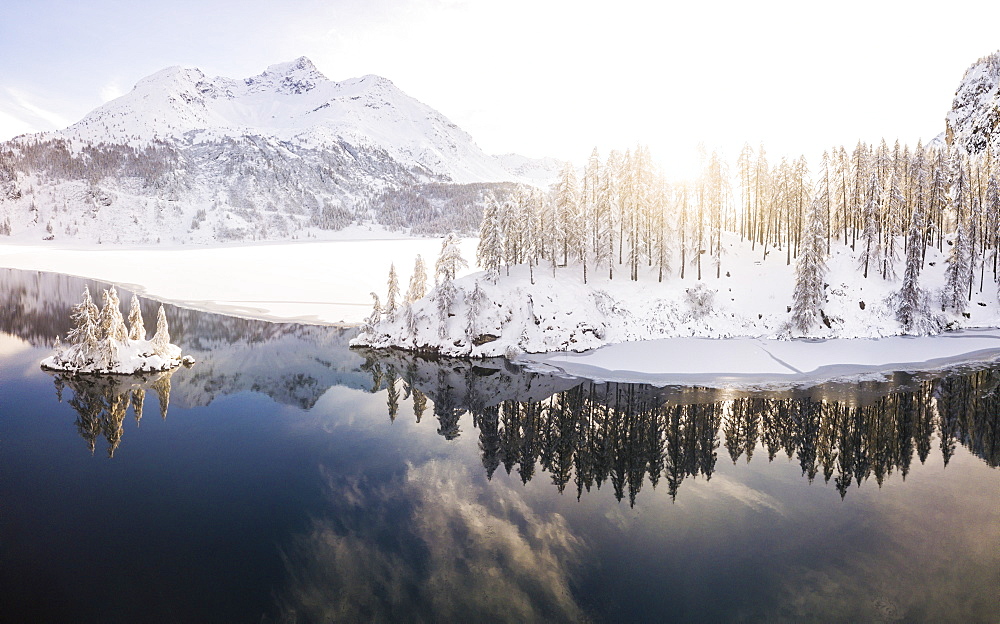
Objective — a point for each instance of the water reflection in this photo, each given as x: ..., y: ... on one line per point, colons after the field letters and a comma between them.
x: 588, y: 434
x: 293, y: 364
x: 101, y: 402
x: 431, y: 545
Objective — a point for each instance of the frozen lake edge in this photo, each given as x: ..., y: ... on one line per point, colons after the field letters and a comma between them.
x: 737, y: 362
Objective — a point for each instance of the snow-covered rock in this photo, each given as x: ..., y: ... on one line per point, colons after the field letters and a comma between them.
x: 974, y: 120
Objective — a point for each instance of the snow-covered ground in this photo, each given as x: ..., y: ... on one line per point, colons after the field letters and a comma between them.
x: 329, y: 282
x: 316, y: 282
x: 751, y: 297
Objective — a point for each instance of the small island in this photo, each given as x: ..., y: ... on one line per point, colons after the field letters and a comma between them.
x: 101, y: 343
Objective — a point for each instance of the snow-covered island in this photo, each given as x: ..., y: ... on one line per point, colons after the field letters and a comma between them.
x: 101, y: 343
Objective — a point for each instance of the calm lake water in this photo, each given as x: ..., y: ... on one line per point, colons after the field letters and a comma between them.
x: 286, y: 478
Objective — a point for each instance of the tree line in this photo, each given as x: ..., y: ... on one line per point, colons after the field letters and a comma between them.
x: 630, y: 434
x: 889, y: 205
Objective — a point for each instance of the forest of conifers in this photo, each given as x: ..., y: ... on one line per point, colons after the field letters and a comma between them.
x: 888, y: 204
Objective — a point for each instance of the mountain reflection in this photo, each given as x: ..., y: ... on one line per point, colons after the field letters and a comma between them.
x: 585, y: 435
x: 293, y: 364
x: 101, y: 402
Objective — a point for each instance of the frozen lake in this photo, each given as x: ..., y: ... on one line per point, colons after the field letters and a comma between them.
x: 287, y: 478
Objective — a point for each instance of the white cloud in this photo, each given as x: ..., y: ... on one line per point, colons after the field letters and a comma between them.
x: 11, y: 126
x: 22, y: 106
x: 111, y: 91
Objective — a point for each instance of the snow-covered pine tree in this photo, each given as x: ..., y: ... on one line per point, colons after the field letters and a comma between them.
x: 445, y: 293
x: 859, y: 178
x: 663, y: 246
x: 566, y: 212
x: 810, y: 270
x: 958, y: 271
x: 547, y: 237
x: 607, y: 214
x: 161, y: 339
x: 418, y: 281
x: 938, y: 201
x: 588, y: 199
x: 477, y: 305
x: 450, y: 262
x: 514, y: 227
x: 490, y: 251
x: 913, y: 308
x: 533, y: 241
x: 992, y: 209
x: 111, y: 331
x: 83, y: 336
x: 717, y: 197
x: 894, y: 204
x: 744, y: 164
x: 392, y: 297
x: 871, y: 239
x: 112, y: 321
x: 372, y: 320
x: 136, y: 329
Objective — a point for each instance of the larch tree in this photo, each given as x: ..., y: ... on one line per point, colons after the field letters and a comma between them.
x: 913, y: 308
x: 589, y: 198
x: 607, y: 214
x: 871, y: 241
x: 566, y: 211
x: 894, y: 203
x: 958, y: 271
x: 992, y: 209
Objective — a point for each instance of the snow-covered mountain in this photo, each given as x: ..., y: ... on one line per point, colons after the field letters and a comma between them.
x: 974, y: 120
x: 284, y: 154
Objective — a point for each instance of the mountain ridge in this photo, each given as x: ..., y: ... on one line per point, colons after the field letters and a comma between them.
x: 284, y: 154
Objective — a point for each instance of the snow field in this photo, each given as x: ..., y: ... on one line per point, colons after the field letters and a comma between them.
x: 315, y: 282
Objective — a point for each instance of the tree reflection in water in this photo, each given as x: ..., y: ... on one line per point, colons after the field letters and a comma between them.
x: 588, y: 434
x: 102, y: 401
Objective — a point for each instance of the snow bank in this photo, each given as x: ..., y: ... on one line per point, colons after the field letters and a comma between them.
x: 754, y: 361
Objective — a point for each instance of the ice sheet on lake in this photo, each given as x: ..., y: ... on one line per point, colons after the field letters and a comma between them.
x: 755, y: 361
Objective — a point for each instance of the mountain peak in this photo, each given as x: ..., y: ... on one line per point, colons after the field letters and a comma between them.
x: 292, y: 77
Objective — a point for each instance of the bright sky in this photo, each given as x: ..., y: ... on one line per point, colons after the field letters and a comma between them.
x: 537, y: 77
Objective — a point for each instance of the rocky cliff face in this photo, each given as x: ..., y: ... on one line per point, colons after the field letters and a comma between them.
x: 973, y: 124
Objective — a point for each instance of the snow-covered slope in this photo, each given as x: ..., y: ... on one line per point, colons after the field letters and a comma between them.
x: 541, y: 312
x: 974, y: 119
x: 284, y: 154
x: 291, y: 102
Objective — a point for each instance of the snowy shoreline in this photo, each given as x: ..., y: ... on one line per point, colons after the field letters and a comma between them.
x: 737, y: 343
x: 764, y: 362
